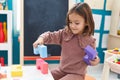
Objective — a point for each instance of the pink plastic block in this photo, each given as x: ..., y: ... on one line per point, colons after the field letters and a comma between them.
x: 42, y: 65
x: 2, y: 61
x: 44, y: 68
x: 39, y: 63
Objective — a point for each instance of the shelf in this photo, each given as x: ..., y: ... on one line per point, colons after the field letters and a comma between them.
x: 8, y: 45
x: 113, y: 41
x: 113, y: 38
x: 4, y: 11
x: 3, y: 46
x: 117, y: 36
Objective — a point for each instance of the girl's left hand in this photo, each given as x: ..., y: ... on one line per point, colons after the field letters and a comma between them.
x: 95, y: 61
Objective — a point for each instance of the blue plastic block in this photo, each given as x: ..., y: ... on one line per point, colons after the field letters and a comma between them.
x: 42, y: 50
x: 36, y: 50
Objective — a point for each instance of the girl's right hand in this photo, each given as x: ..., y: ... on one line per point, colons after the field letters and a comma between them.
x: 39, y: 41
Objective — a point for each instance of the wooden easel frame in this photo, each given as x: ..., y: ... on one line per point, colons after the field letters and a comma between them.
x: 22, y: 58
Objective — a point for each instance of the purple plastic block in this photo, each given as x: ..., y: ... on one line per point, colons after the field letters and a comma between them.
x: 86, y: 59
x: 90, y: 52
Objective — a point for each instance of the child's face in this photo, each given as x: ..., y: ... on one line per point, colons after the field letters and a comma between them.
x: 77, y: 23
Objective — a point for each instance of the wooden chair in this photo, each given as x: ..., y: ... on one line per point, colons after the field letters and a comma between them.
x: 88, y: 77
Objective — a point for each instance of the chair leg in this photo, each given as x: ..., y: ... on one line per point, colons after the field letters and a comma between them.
x: 87, y: 77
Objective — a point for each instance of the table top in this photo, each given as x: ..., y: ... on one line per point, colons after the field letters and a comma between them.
x: 29, y: 73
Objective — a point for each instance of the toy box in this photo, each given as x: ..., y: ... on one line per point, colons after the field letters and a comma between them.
x: 114, y: 63
x: 114, y: 51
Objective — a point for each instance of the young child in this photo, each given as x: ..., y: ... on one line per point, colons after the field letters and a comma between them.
x: 77, y: 34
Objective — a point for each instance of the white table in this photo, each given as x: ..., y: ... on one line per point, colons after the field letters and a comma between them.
x: 29, y: 73
x: 106, y: 67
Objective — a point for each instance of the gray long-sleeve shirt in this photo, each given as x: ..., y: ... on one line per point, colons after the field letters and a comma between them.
x: 72, y: 53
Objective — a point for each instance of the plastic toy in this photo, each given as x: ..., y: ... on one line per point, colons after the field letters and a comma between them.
x: 117, y: 60
x: 3, y: 74
x: 16, y: 71
x: 114, y: 51
x: 2, y: 36
x: 42, y: 65
x: 5, y: 30
x: 2, y: 61
x: 90, y: 54
x: 42, y: 50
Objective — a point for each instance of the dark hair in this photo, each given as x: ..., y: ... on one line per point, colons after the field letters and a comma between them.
x: 83, y: 10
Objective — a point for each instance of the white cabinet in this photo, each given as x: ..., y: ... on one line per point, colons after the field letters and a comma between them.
x: 8, y: 45
x: 115, y: 18
x: 113, y: 38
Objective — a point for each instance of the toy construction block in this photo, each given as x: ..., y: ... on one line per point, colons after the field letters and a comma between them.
x: 16, y: 71
x: 38, y: 63
x: 90, y: 54
x: 42, y: 50
x: 86, y: 59
x: 2, y: 61
x: 42, y: 65
x: 3, y: 74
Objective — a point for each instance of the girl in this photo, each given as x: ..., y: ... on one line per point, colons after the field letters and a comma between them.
x: 73, y: 39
